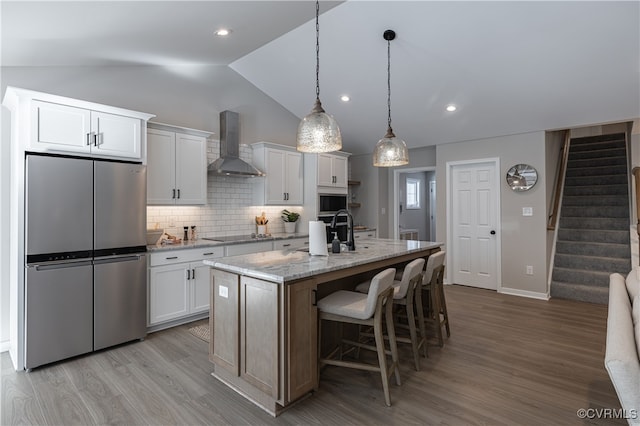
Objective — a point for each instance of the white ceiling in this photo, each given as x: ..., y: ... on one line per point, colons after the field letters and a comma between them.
x: 510, y: 67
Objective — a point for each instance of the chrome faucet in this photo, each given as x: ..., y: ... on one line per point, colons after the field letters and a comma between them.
x: 351, y: 242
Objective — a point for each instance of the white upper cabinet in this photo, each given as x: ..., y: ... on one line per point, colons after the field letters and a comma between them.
x: 60, y: 127
x: 332, y: 170
x: 176, y: 166
x: 51, y: 123
x: 284, y: 180
x: 57, y: 127
x: 115, y: 135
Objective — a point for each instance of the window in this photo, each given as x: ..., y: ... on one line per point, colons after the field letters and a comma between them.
x: 413, y: 193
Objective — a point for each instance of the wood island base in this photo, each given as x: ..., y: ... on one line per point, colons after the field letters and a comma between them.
x: 264, y: 318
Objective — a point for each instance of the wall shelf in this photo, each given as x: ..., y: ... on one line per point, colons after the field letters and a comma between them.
x: 353, y: 182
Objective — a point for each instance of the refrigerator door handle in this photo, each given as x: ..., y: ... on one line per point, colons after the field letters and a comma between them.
x: 58, y: 265
x: 116, y: 259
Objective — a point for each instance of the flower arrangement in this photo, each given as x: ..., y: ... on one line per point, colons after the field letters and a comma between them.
x: 288, y: 216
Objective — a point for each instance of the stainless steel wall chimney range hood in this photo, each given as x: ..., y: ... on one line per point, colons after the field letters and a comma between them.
x: 229, y: 163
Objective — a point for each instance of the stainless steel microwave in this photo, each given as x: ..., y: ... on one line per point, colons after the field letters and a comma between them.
x: 331, y: 203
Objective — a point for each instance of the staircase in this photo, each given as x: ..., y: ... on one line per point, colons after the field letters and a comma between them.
x: 593, y: 234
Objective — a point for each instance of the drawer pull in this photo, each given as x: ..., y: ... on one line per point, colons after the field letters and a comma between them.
x: 207, y: 254
x: 171, y: 258
x: 286, y: 245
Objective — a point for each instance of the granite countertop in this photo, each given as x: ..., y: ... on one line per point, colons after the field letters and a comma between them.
x: 237, y: 239
x: 280, y: 266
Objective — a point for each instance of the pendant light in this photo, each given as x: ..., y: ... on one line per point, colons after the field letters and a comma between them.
x: 390, y: 151
x: 318, y: 131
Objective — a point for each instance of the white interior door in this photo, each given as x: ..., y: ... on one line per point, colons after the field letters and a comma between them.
x: 474, y: 221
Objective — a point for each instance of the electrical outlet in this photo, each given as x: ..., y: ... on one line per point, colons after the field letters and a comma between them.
x: 223, y: 291
x: 529, y: 270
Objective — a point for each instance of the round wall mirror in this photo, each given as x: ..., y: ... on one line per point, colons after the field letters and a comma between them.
x: 522, y: 177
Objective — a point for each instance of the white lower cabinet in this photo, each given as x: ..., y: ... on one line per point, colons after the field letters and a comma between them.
x: 291, y: 244
x: 248, y: 248
x: 168, y: 293
x: 179, y: 284
x: 199, y: 297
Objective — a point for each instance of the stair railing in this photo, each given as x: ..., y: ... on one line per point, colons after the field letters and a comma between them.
x: 636, y: 175
x: 557, y: 192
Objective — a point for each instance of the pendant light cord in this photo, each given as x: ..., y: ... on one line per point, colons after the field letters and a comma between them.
x: 389, y: 83
x: 317, y: 51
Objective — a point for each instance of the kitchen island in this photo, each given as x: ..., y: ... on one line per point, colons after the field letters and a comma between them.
x: 264, y: 319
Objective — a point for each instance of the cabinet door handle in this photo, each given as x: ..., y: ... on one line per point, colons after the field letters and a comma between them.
x: 89, y: 138
x: 174, y: 193
x: 178, y: 193
x: 96, y: 139
x: 193, y: 274
x: 315, y: 297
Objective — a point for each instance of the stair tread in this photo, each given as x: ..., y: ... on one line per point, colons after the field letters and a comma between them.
x: 595, y: 285
x: 610, y: 259
x: 589, y: 271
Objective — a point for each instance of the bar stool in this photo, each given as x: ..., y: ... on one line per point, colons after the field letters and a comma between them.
x: 407, y: 293
x: 433, y: 286
x: 365, y: 309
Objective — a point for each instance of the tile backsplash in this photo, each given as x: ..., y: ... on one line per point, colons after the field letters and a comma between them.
x: 229, y: 209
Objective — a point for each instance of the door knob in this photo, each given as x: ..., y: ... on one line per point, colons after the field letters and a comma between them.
x: 492, y: 232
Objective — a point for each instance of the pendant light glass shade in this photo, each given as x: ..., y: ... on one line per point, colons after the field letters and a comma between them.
x: 390, y: 151
x: 318, y: 131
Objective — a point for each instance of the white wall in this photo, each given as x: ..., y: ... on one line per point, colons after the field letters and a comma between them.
x: 523, y: 239
x: 170, y: 94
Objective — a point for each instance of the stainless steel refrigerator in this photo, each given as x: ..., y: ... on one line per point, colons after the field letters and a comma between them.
x: 86, y: 265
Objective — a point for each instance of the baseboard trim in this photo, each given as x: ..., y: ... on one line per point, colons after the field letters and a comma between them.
x: 5, y: 346
x: 176, y: 322
x: 524, y: 293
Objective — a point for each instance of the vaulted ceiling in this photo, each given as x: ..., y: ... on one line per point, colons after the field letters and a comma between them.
x: 509, y: 67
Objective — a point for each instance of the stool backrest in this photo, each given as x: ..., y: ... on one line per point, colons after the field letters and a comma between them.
x: 434, y: 260
x: 379, y: 283
x: 412, y: 269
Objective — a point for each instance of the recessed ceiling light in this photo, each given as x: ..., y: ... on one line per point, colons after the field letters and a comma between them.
x: 345, y: 98
x: 223, y: 32
x: 451, y: 108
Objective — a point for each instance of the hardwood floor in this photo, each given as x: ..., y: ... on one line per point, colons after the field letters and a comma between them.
x: 509, y: 360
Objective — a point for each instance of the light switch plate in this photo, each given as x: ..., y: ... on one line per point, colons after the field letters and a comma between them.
x: 527, y: 211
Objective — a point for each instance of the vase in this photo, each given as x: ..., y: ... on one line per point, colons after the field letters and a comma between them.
x: 262, y: 229
x: 290, y: 227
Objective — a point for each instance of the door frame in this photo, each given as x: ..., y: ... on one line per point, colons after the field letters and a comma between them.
x: 396, y: 196
x: 449, y: 205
